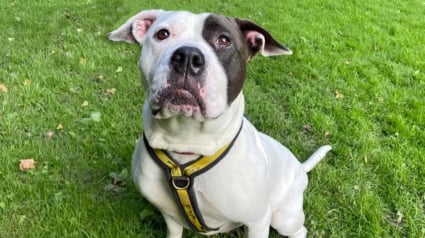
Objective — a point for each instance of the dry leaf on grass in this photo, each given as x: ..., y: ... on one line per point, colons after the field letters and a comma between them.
x: 59, y: 127
x: 111, y: 91
x: 117, y: 184
x: 338, y: 95
x: 100, y: 78
x: 3, y: 88
x: 398, y: 220
x: 49, y: 135
x: 327, y: 134
x: 26, y: 164
x: 95, y: 116
x: 308, y: 128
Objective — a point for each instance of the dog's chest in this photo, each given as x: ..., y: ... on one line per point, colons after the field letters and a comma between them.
x: 158, y: 191
x: 224, y: 194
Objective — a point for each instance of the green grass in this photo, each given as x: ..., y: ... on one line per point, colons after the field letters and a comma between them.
x: 370, y: 52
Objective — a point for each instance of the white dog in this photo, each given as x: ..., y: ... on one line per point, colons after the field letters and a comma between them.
x: 200, y: 162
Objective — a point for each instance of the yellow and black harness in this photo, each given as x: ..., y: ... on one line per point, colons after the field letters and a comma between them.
x: 181, y: 178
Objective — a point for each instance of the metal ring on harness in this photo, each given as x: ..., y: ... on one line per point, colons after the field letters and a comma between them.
x: 180, y: 182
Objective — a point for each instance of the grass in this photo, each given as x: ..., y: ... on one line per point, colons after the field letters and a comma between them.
x: 356, y: 81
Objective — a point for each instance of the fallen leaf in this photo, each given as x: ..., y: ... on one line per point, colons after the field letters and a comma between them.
x: 26, y: 164
x: 399, y: 217
x: 396, y: 221
x: 73, y: 134
x: 117, y: 179
x: 338, y: 95
x: 327, y: 134
x: 308, y: 128
x: 111, y: 91
x: 22, y: 219
x: 28, y: 132
x: 117, y: 184
x: 3, y: 88
x: 95, y: 116
x: 59, y: 127
x: 119, y: 70
x: 85, y: 104
x: 347, y: 62
x: 75, y: 89
x: 49, y: 135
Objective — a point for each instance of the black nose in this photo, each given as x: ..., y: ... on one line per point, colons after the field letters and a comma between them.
x: 188, y: 59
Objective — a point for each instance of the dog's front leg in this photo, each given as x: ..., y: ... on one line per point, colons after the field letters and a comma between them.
x: 174, y: 229
x: 259, y: 229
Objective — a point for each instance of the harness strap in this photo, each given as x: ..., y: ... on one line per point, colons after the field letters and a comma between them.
x: 181, y: 178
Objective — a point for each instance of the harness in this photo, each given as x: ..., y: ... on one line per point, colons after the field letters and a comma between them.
x: 181, y: 178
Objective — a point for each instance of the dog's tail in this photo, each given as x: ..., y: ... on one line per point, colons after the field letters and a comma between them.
x: 316, y: 157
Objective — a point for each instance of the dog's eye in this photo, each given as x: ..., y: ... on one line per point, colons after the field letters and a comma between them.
x: 223, y: 40
x: 162, y: 34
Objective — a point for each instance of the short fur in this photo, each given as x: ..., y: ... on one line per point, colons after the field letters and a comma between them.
x: 194, y: 67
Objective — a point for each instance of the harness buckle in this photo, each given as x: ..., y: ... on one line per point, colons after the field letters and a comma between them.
x: 180, y: 182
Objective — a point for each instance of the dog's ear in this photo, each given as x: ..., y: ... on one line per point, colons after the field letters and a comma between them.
x: 135, y: 28
x: 260, y: 40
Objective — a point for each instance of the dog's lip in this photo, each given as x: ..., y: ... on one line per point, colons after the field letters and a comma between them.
x: 178, y: 96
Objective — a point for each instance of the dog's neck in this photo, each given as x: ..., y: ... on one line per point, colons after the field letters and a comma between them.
x: 187, y: 137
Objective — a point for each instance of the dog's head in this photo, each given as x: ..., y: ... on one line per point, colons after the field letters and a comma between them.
x: 194, y: 65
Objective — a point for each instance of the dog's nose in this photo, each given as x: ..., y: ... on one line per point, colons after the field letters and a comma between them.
x: 188, y: 59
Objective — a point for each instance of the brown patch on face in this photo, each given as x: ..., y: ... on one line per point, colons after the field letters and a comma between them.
x: 218, y: 30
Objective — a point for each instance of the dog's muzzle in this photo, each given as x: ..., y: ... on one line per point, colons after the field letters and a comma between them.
x: 185, y: 91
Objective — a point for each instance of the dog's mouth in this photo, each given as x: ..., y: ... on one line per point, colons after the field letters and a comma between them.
x: 174, y: 100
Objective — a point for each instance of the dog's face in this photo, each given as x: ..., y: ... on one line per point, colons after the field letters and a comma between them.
x: 194, y: 65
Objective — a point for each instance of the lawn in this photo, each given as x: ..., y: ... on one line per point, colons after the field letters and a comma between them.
x: 71, y: 100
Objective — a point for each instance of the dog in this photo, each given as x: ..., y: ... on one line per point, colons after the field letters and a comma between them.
x: 200, y: 161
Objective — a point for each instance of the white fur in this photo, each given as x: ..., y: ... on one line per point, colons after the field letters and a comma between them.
x: 185, y: 29
x: 258, y: 184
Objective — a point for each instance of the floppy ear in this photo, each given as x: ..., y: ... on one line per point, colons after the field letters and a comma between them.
x: 260, y: 40
x: 135, y: 28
